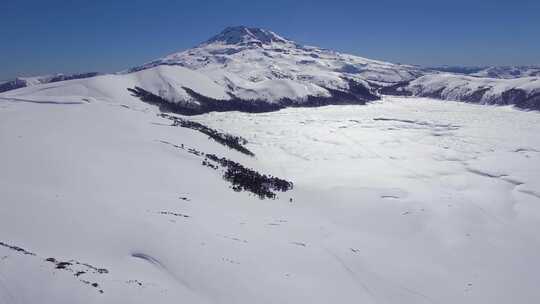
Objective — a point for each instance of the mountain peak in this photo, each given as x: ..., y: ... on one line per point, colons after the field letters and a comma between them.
x: 243, y: 35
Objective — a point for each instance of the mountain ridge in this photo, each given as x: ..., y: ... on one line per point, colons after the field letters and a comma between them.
x: 22, y: 82
x: 241, y: 34
x: 257, y: 67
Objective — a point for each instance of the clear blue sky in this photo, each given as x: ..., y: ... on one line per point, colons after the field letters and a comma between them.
x: 40, y: 37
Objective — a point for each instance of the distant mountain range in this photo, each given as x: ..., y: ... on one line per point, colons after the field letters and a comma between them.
x: 22, y: 82
x: 503, y: 72
x: 256, y: 70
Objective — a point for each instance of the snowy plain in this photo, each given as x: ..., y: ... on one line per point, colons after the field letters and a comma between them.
x: 405, y: 200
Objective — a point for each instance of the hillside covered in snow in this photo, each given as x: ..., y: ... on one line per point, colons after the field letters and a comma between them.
x: 521, y: 92
x: 256, y: 70
x: 502, y: 72
x: 401, y: 201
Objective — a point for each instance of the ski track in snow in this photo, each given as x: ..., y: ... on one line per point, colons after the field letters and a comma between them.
x: 407, y: 200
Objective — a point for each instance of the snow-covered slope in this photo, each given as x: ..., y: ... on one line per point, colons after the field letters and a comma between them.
x: 403, y: 201
x: 165, y: 81
x: 522, y: 92
x: 502, y: 72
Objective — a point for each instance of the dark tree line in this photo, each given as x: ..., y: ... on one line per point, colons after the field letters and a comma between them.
x: 357, y: 94
x: 398, y: 89
x: 12, y: 85
x: 16, y: 248
x: 241, y: 178
x: 61, y: 77
x: 234, y: 142
x: 245, y: 179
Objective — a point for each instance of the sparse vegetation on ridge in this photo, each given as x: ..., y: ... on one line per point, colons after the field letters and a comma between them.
x: 241, y: 178
x: 234, y: 142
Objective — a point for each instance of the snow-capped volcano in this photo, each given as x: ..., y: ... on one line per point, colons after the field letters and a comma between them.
x: 256, y: 70
x: 242, y: 35
x: 256, y: 55
x: 257, y: 64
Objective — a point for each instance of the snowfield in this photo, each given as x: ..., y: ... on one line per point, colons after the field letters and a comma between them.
x: 404, y: 200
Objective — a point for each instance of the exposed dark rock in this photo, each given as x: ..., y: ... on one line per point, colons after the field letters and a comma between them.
x: 75, y: 267
x: 136, y: 282
x: 174, y: 214
x: 69, y: 265
x: 78, y: 270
